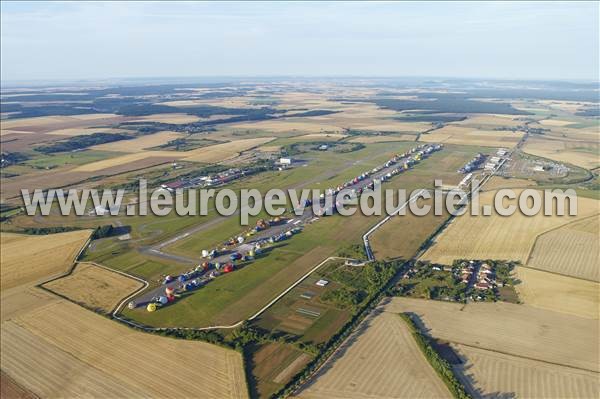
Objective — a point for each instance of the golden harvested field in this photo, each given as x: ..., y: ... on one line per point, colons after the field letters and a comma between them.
x: 497, y: 182
x: 370, y: 117
x: 27, y: 259
x: 288, y: 125
x: 508, y: 328
x: 380, y: 360
x: 559, y: 293
x: 382, y: 139
x: 453, y: 134
x: 86, y: 131
x: 228, y: 102
x: 63, y: 350
x: 167, y: 118
x: 580, y: 153
x: 388, y: 125
x: 129, y: 161
x: 45, y: 124
x: 566, y: 106
x: 221, y: 152
x: 490, y: 120
x: 25, y: 141
x: 6, y: 132
x: 94, y: 287
x: 499, y: 237
x: 321, y: 136
x: 492, y: 374
x: 140, y: 143
x: 555, y: 122
x: 572, y: 250
x: 269, y: 148
x: 20, y: 300
x: 567, y: 134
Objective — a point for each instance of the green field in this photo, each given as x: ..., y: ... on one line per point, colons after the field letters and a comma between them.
x: 236, y: 296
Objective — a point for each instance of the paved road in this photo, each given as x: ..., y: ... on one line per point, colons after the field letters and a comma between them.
x: 307, y: 216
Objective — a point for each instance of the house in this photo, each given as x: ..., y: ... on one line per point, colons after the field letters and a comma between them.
x: 322, y: 283
x: 323, y: 147
x: 285, y: 161
x: 482, y: 286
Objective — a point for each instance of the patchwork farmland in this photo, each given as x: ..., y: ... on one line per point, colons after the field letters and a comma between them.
x: 274, y: 319
x: 498, y: 237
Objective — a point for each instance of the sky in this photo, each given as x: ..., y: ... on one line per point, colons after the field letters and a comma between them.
x: 100, y: 40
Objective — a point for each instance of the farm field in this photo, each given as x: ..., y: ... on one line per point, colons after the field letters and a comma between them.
x: 75, y: 131
x: 58, y: 342
x: 27, y: 259
x: 498, y: 237
x: 168, y: 118
x: 555, y: 122
x: 382, y: 139
x: 40, y: 354
x: 22, y: 141
x: 381, y: 359
x: 451, y: 134
x: 224, y: 151
x: 47, y: 124
x: 499, y: 182
x: 10, y: 389
x: 391, y: 240
x: 139, y: 143
x: 274, y: 364
x: 559, y: 293
x: 572, y: 250
x: 484, y: 121
x: 579, y: 153
x: 321, y: 136
x: 304, y: 313
x: 487, y: 374
x: 299, y: 125
x: 94, y: 287
x: 518, y: 330
x: 136, y: 160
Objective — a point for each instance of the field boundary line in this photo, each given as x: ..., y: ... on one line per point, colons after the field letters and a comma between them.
x: 502, y: 352
x: 556, y: 228
x: 524, y: 357
x: 557, y: 274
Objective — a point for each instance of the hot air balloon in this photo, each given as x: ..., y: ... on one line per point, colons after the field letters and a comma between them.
x: 163, y: 300
x: 151, y: 307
